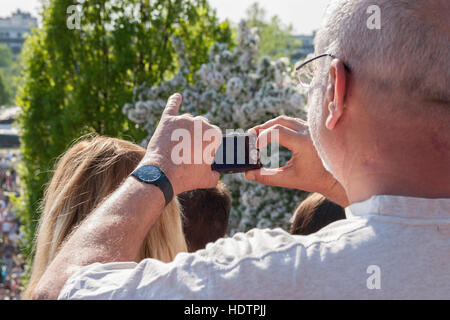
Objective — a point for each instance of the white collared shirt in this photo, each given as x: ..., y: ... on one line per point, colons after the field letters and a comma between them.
x: 389, y: 247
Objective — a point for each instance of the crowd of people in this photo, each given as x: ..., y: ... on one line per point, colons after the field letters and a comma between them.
x: 12, y: 263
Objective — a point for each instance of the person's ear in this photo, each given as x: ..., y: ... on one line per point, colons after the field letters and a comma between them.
x: 338, y: 85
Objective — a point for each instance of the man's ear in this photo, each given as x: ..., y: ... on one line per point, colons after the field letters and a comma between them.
x: 338, y: 84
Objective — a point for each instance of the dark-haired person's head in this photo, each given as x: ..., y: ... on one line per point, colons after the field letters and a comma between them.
x: 206, y: 213
x: 314, y: 213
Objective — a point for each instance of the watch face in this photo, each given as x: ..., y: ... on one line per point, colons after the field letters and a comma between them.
x: 148, y: 173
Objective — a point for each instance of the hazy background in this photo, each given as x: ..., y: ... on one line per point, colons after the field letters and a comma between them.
x: 304, y: 15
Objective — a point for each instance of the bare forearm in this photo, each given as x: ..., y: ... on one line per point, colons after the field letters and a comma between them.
x: 113, y: 232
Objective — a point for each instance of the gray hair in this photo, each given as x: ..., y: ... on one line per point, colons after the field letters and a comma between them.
x: 409, y: 52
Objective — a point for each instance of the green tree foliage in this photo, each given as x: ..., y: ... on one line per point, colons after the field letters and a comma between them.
x: 6, y: 56
x: 76, y: 81
x: 276, y: 39
x: 4, y: 92
x: 7, y: 73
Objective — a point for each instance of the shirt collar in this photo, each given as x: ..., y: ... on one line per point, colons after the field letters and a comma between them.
x: 400, y: 206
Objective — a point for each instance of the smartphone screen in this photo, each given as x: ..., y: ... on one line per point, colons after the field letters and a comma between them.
x: 237, y: 153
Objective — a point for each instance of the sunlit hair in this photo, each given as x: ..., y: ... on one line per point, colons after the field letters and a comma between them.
x: 408, y: 52
x: 84, y: 176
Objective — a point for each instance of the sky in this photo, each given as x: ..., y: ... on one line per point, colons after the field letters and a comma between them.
x: 304, y: 15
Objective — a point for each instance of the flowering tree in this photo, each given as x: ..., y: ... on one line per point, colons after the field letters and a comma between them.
x: 234, y: 91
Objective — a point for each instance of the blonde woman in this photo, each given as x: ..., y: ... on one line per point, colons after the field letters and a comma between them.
x: 85, y: 175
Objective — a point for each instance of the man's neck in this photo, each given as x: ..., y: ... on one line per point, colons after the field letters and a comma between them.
x: 364, y: 185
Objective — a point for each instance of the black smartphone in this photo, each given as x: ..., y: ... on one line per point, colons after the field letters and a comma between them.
x: 237, y: 153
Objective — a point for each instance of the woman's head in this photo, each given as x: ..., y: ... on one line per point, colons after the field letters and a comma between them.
x: 84, y: 176
x: 315, y: 213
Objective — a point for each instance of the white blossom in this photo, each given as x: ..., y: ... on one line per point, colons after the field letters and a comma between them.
x: 234, y: 91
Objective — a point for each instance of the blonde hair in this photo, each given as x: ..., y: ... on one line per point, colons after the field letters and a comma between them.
x: 84, y: 176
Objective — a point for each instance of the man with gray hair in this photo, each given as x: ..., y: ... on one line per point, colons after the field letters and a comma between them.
x: 377, y: 141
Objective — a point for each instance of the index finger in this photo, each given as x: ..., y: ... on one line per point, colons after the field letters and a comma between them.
x: 173, y: 105
x: 279, y: 134
x: 288, y: 122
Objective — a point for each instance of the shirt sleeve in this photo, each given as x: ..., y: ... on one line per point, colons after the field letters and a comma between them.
x: 227, y: 269
x: 149, y: 279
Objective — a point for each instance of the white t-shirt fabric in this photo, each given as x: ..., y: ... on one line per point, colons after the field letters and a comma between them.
x: 389, y: 247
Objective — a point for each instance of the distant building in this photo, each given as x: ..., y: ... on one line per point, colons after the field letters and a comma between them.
x: 307, y: 46
x: 14, y: 28
x: 9, y: 135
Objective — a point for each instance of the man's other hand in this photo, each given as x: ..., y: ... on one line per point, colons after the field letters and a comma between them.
x: 305, y: 170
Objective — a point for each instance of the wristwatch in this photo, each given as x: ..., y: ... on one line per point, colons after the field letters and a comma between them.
x: 153, y: 175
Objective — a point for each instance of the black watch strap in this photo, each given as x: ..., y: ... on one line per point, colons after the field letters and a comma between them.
x: 153, y: 175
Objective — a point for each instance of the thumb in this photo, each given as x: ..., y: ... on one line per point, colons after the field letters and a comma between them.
x: 271, y: 177
x: 173, y: 105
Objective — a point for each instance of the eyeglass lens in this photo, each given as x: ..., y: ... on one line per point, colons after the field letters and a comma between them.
x: 306, y: 74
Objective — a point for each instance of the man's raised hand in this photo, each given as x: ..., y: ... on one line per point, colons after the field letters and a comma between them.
x: 199, y: 141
